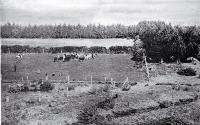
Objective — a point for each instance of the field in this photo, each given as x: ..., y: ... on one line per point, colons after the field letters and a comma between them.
x: 116, y: 66
x: 157, y: 101
x: 68, y: 42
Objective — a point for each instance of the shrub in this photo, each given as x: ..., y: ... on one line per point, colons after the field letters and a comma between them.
x: 133, y: 83
x: 187, y: 72
x: 126, y: 87
x: 93, y: 91
x: 46, y: 86
x: 87, y: 114
x: 106, y: 88
x: 118, y: 84
x: 71, y: 88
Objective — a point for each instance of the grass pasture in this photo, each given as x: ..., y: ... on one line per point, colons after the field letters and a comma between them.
x: 116, y: 66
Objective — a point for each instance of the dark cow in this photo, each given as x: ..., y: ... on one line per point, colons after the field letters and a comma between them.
x: 57, y: 58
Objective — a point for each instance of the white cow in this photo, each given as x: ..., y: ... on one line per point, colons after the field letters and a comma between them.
x: 88, y: 56
x: 19, y: 56
x: 194, y: 60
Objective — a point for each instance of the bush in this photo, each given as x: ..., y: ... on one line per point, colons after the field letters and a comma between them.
x: 87, y: 114
x: 46, y: 86
x: 133, y: 83
x: 71, y: 88
x: 106, y: 88
x: 126, y: 87
x: 187, y: 72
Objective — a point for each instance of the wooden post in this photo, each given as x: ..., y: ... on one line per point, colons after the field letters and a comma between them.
x: 147, y: 69
x: 22, y: 79
x: 127, y: 79
x: 43, y: 50
x: 27, y: 79
x: 91, y: 80
x: 105, y: 79
x: 161, y: 61
x: 39, y: 98
x: 67, y: 91
x: 7, y: 99
x: 46, y: 77
x: 68, y: 79
x: 8, y: 51
x: 111, y: 80
x: 113, y: 83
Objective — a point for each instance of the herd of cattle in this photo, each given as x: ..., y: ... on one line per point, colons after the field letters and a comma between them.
x: 68, y: 56
x: 80, y: 56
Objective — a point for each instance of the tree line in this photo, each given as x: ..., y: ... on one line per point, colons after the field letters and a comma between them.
x: 65, y: 49
x: 66, y: 31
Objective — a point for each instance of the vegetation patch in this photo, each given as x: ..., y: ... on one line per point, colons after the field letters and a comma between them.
x: 46, y: 86
x: 100, y: 100
x: 187, y: 72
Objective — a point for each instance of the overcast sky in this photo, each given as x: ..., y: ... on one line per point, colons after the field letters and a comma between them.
x: 127, y: 12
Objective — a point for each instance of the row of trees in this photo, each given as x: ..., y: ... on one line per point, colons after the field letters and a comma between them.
x: 66, y: 31
x: 94, y: 49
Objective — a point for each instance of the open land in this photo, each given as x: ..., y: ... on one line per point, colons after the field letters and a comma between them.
x: 157, y: 101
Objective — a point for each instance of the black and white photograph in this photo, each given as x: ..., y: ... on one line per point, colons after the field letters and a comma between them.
x: 100, y: 62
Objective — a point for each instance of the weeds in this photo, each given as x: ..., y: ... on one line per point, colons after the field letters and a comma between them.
x: 46, y: 86
x: 101, y: 100
x: 187, y: 72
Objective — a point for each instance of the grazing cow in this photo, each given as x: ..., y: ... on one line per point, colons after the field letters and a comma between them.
x: 66, y: 57
x: 58, y: 58
x: 81, y: 57
x: 89, y: 56
x: 194, y: 60
x: 19, y: 56
x: 73, y: 55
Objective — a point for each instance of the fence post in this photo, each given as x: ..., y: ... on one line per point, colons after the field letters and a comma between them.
x: 105, y: 79
x: 68, y: 79
x: 22, y: 79
x: 111, y: 80
x: 8, y: 51
x: 46, y: 77
x: 91, y: 80
x: 27, y: 79
x: 147, y: 69
x: 114, y: 84
x: 39, y: 98
x: 67, y: 91
x: 7, y: 99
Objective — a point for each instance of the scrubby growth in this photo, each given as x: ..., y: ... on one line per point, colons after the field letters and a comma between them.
x: 102, y: 99
x: 126, y: 87
x: 46, y: 86
x: 187, y: 72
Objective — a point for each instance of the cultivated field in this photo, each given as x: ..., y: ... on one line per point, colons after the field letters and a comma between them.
x: 166, y: 98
